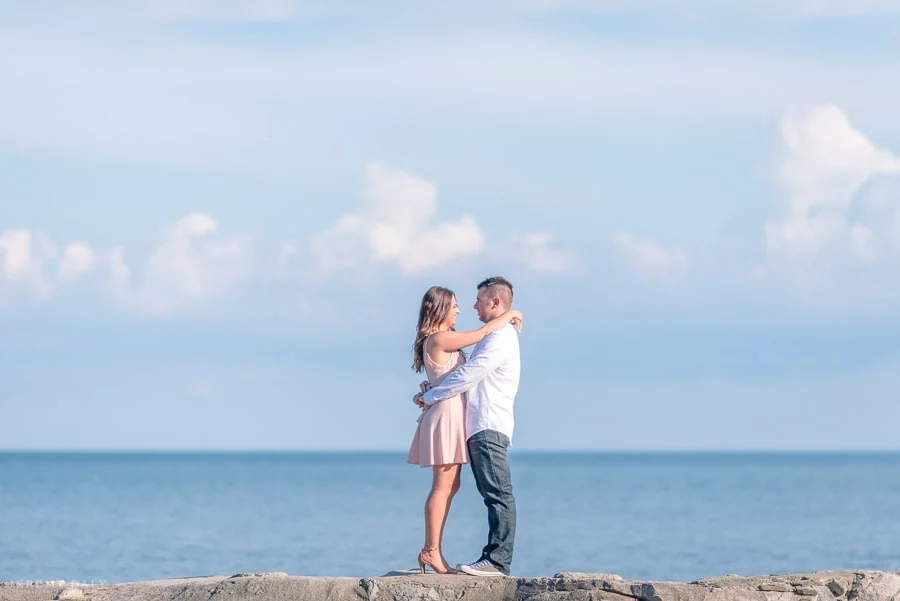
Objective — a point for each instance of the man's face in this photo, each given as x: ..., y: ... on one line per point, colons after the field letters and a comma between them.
x: 484, y: 306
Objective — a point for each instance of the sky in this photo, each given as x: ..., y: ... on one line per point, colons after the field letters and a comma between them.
x: 217, y: 219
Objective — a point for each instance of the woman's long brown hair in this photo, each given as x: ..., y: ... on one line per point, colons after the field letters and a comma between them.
x: 436, y: 305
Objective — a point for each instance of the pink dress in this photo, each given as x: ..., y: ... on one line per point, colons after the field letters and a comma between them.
x: 441, y: 436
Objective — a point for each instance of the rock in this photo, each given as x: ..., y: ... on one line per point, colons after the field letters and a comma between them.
x: 564, y: 586
x: 400, y: 573
x: 776, y: 587
x: 588, y: 575
x: 837, y: 588
x: 875, y: 586
x: 646, y: 592
x: 370, y: 587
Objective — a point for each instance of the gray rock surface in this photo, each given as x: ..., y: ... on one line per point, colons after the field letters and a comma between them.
x: 404, y: 586
x: 69, y: 594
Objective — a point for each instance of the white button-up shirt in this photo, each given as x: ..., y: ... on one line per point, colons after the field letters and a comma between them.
x: 491, y: 378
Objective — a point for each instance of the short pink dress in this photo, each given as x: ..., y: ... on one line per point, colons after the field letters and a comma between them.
x: 441, y: 436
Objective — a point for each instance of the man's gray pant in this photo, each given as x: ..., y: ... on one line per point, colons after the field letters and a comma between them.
x: 490, y: 465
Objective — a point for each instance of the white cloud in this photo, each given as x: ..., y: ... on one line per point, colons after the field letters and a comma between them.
x: 23, y: 254
x: 832, y: 240
x: 538, y: 252
x: 395, y: 225
x: 17, y: 260
x: 840, y: 202
x: 648, y: 259
x: 77, y: 259
x: 189, y: 265
x: 193, y: 266
x: 825, y: 159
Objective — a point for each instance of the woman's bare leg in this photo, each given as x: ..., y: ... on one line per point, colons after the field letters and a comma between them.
x: 444, y: 484
x: 453, y: 490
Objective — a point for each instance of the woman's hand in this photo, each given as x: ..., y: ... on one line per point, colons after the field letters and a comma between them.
x: 515, y: 318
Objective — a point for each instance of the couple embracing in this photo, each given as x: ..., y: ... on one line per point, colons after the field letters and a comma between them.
x: 467, y: 417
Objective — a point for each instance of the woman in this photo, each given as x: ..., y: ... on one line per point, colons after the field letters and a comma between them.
x: 440, y: 439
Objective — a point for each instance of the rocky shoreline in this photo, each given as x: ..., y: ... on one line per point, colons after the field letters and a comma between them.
x: 405, y: 586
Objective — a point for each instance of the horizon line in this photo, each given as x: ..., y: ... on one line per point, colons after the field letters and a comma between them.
x: 261, y: 451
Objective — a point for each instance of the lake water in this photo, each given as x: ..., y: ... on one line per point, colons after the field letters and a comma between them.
x: 117, y: 517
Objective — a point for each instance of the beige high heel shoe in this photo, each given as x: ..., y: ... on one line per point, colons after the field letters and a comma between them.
x: 440, y: 569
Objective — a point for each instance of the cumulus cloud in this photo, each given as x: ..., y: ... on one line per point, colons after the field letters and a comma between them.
x: 539, y: 252
x: 17, y: 257
x: 190, y: 263
x: 394, y: 225
x: 193, y: 266
x: 834, y: 224
x: 23, y: 255
x: 840, y: 202
x: 648, y: 259
x: 77, y: 260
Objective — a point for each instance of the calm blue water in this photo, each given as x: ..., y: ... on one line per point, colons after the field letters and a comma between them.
x: 125, y: 517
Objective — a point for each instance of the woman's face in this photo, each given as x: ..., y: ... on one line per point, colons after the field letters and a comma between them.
x: 451, y: 316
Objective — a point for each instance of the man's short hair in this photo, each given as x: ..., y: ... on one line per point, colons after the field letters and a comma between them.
x: 499, y: 287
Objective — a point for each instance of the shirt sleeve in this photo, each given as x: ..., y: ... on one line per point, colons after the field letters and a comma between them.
x: 487, y: 356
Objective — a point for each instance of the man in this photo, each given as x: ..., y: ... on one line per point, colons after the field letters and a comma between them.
x: 491, y: 378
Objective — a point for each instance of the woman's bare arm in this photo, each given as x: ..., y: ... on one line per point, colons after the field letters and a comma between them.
x: 449, y: 341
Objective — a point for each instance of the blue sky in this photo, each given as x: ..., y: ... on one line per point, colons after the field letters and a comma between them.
x: 217, y: 219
